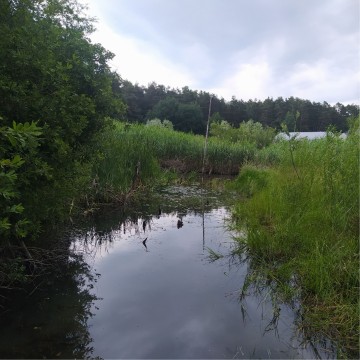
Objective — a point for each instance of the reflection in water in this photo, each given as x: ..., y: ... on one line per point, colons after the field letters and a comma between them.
x: 51, y: 322
x: 172, y: 300
x: 144, y: 243
x: 176, y: 299
x: 259, y: 282
x: 179, y: 224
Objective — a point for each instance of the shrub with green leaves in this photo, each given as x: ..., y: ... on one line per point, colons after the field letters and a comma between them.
x: 161, y: 123
x: 18, y: 166
x: 54, y: 76
x: 249, y: 132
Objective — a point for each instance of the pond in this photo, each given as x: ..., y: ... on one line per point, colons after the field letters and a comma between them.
x: 154, y: 282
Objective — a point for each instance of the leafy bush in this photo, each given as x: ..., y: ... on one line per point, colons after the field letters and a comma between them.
x: 19, y: 165
x: 161, y: 123
x: 249, y: 132
x: 53, y: 75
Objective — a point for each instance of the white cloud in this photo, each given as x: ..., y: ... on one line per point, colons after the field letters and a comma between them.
x: 138, y: 62
x: 249, y: 81
x: 320, y: 81
x: 298, y: 50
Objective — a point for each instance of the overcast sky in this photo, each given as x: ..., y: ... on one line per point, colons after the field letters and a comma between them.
x: 244, y: 48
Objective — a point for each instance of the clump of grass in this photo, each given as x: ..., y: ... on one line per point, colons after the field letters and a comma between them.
x: 303, y: 216
x: 250, y: 180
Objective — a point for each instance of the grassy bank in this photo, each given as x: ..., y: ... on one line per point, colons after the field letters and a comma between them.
x: 301, y: 220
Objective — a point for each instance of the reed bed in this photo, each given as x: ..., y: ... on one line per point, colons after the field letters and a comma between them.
x: 170, y: 147
x: 134, y: 155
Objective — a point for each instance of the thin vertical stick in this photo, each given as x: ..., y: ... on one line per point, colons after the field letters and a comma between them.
x: 206, y: 139
x: 203, y: 170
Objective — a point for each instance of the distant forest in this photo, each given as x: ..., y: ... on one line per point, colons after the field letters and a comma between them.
x: 188, y: 109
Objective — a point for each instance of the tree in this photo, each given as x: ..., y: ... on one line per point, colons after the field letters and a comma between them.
x: 268, y: 112
x: 223, y: 130
x: 235, y: 112
x: 216, y: 118
x: 290, y: 121
x: 254, y: 133
x: 134, y: 97
x: 52, y: 75
x: 153, y: 94
x: 165, y: 109
x: 189, y: 118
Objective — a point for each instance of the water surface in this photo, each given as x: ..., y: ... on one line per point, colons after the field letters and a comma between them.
x: 175, y: 295
x: 170, y: 300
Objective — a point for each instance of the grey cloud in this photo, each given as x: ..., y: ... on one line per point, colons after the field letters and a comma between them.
x: 308, y: 31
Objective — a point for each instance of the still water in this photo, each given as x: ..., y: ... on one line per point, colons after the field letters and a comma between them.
x: 159, y: 284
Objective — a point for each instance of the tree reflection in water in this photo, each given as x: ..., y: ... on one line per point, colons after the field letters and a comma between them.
x: 50, y: 320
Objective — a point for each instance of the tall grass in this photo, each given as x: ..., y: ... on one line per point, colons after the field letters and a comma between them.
x: 302, y: 220
x: 125, y: 159
x: 223, y: 157
x: 127, y: 150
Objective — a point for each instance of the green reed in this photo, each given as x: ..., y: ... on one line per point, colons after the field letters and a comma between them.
x: 127, y: 149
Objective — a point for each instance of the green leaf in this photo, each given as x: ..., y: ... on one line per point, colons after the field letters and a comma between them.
x: 4, y: 224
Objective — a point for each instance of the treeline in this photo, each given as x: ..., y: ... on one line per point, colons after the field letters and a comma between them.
x: 188, y: 109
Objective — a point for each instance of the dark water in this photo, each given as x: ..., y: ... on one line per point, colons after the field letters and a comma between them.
x: 170, y: 297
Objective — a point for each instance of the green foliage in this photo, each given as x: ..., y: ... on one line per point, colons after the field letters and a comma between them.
x: 189, y: 119
x: 255, y: 133
x: 290, y: 120
x: 127, y: 149
x: 305, y: 218
x: 126, y: 159
x: 223, y: 130
x: 18, y: 151
x: 185, y: 117
x: 354, y: 125
x: 157, y: 122
x: 216, y: 118
x: 213, y: 255
x: 250, y: 180
x: 51, y: 75
x: 249, y: 132
x: 165, y: 109
x: 143, y: 103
